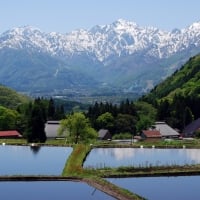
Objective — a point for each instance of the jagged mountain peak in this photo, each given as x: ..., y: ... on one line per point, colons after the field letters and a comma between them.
x: 106, y: 52
x: 104, y: 41
x: 194, y: 26
x: 124, y: 23
x: 23, y: 30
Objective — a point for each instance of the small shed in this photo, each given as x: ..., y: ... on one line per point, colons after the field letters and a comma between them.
x: 10, y: 134
x: 104, y: 134
x: 51, y: 128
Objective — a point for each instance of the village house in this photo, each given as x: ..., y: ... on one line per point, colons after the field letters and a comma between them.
x: 151, y: 135
x: 160, y: 130
x: 51, y: 129
x: 191, y: 128
x: 166, y: 131
x: 10, y: 134
x: 104, y: 134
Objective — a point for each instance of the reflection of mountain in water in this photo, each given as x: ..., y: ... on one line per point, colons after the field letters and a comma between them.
x: 193, y: 154
x: 118, y: 153
x: 153, y: 156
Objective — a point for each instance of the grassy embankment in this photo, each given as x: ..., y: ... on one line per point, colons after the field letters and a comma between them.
x: 94, y: 177
x: 74, y: 168
x: 49, y: 142
x: 74, y: 163
x: 195, y: 143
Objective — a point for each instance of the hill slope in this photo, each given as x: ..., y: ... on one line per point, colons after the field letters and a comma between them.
x: 177, y: 99
x: 185, y: 81
x: 11, y: 99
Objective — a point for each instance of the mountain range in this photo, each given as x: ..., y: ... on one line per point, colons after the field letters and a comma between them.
x: 121, y: 56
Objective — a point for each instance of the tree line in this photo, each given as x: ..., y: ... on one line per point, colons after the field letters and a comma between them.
x: 123, y: 120
x: 180, y: 111
x: 30, y: 118
x: 116, y: 119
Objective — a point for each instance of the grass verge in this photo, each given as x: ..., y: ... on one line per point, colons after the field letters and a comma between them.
x: 73, y: 166
x: 111, y: 189
x: 174, y: 170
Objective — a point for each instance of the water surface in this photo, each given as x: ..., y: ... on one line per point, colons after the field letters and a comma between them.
x: 50, y: 190
x: 26, y: 160
x: 165, y: 188
x: 140, y: 157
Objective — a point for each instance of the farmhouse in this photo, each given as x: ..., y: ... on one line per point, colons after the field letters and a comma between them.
x: 190, y: 129
x: 151, y: 134
x: 166, y: 131
x: 160, y: 130
x: 104, y: 134
x: 51, y: 129
x: 10, y: 134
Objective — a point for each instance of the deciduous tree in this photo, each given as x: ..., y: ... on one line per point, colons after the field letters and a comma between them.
x: 76, y: 127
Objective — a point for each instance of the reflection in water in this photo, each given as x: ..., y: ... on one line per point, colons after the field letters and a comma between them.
x: 117, y: 153
x: 35, y: 149
x: 165, y: 188
x: 33, y: 160
x: 50, y: 190
x: 193, y: 154
x: 115, y: 157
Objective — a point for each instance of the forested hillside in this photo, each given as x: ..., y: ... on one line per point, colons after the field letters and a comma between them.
x: 177, y: 99
x: 185, y: 81
x: 10, y: 98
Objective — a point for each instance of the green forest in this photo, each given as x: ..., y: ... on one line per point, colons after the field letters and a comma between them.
x: 176, y: 101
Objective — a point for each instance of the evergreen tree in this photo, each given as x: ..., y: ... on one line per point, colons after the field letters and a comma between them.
x: 188, y: 116
x: 51, y: 109
x: 59, y: 113
x: 35, y: 130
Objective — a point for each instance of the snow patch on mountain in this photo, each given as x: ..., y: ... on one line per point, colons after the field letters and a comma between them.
x: 104, y: 42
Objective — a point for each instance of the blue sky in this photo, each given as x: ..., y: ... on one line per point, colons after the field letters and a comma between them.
x: 67, y: 15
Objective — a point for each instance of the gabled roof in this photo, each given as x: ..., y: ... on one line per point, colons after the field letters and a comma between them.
x: 10, y: 133
x: 165, y: 130
x: 102, y: 133
x: 192, y: 127
x: 152, y: 133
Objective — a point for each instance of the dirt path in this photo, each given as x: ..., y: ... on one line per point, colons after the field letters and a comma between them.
x: 111, y: 190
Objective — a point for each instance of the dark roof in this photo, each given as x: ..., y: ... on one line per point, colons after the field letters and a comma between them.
x: 152, y: 134
x: 102, y: 133
x: 10, y: 133
x: 192, y: 127
x: 53, y: 122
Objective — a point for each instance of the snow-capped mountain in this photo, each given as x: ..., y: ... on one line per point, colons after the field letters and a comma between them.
x: 119, y: 38
x: 123, y: 49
